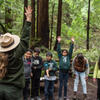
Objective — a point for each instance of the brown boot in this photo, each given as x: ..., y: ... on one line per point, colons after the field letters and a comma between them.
x: 75, y: 96
x: 84, y: 96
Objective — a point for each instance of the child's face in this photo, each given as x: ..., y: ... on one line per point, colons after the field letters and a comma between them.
x: 28, y: 54
x: 48, y: 58
x: 64, y: 53
x: 36, y: 54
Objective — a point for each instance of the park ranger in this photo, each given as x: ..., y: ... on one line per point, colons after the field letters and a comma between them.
x: 12, y: 49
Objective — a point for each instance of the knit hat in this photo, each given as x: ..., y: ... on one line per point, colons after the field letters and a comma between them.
x: 49, y: 54
x: 37, y: 50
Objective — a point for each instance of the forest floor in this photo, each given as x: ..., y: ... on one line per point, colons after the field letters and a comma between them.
x: 92, y: 88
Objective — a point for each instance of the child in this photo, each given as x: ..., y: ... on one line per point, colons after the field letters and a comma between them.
x: 50, y: 68
x: 27, y: 73
x: 80, y: 68
x: 97, y: 75
x: 64, y: 66
x: 36, y: 73
x: 12, y: 48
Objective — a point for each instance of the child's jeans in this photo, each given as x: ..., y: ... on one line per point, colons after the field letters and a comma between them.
x: 63, y: 78
x: 26, y: 90
x: 49, y: 90
x: 82, y: 76
x: 35, y: 83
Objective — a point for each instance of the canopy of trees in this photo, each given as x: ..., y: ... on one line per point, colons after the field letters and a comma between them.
x: 51, y: 18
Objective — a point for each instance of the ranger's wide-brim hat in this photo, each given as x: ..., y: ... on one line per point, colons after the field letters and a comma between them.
x: 8, y: 42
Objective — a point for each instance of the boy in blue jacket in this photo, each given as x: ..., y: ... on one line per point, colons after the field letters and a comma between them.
x: 64, y: 66
x: 50, y: 77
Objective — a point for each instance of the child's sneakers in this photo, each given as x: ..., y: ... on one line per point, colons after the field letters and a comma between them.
x: 84, y: 96
x: 38, y: 98
x: 66, y: 98
x: 32, y: 99
x: 60, y: 98
x: 75, y: 96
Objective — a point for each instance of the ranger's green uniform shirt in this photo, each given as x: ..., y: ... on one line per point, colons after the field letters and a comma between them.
x: 15, y: 70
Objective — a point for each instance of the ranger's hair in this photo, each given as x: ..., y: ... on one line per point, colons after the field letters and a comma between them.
x: 3, y: 64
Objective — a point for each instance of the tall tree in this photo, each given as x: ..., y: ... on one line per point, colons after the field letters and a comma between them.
x: 32, y: 44
x: 58, y: 33
x: 37, y: 16
x: 43, y: 23
x: 8, y: 15
x: 3, y: 28
x: 25, y: 6
x: 88, y: 25
x: 52, y: 25
x: 33, y: 20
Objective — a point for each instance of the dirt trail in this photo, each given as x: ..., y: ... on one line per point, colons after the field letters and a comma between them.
x: 90, y: 85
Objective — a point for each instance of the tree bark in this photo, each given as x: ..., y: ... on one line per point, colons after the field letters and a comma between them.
x: 37, y: 16
x: 32, y: 36
x: 59, y: 22
x: 8, y: 16
x: 52, y: 25
x: 25, y: 5
x: 88, y: 26
x: 33, y: 19
x: 43, y: 23
x: 3, y: 28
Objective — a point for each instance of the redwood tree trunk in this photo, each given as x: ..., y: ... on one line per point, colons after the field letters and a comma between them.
x: 43, y: 23
x: 32, y: 36
x: 59, y: 22
x: 37, y: 16
x: 33, y: 19
x: 8, y: 16
x: 25, y: 5
x: 52, y: 26
x: 88, y: 26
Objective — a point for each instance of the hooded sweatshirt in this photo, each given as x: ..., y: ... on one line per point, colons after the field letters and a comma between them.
x: 27, y: 67
x: 64, y: 61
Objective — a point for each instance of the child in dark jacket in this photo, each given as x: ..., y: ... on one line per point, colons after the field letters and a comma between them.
x: 27, y: 73
x: 36, y: 74
x: 64, y: 66
x: 50, y: 68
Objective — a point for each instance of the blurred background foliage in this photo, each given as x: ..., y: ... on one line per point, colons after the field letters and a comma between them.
x: 74, y: 24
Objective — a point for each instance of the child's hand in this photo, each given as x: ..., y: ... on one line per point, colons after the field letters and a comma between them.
x: 94, y: 80
x: 47, y: 75
x: 72, y: 39
x: 31, y: 75
x: 34, y: 67
x: 74, y: 75
x: 50, y: 69
x: 47, y: 72
x: 59, y: 39
x: 86, y: 78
